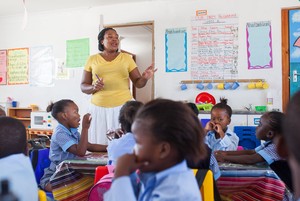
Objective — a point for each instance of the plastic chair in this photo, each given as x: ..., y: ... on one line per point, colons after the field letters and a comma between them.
x: 205, y: 180
x: 40, y: 160
x: 100, y: 172
x: 42, y: 195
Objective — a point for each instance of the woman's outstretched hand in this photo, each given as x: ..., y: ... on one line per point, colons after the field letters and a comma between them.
x: 149, y: 72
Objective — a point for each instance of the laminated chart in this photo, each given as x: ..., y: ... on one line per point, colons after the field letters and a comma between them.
x: 214, y: 47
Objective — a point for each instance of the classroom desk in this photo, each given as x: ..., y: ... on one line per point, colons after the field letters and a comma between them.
x: 74, y: 178
x: 249, y: 182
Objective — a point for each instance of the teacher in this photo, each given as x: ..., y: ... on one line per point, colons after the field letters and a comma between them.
x: 106, y: 76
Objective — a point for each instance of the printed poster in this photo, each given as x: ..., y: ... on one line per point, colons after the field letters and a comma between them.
x: 176, y: 50
x: 259, y: 45
x: 78, y: 52
x: 41, y: 66
x: 17, y: 66
x: 3, y: 60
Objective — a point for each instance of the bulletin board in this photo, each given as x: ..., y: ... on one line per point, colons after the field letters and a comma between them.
x: 214, y: 47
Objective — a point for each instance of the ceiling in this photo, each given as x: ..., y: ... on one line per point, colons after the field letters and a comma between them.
x: 16, y: 7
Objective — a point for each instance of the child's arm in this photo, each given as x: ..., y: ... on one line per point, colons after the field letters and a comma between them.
x: 239, y: 152
x: 80, y: 148
x: 96, y: 147
x: 242, y: 159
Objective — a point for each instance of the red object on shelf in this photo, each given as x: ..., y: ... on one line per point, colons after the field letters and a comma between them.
x: 204, y: 98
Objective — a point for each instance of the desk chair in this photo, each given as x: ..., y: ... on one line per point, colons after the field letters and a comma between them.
x: 42, y: 195
x: 205, y: 181
x: 40, y: 160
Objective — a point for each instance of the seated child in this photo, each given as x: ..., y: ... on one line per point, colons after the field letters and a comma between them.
x: 126, y: 142
x: 15, y: 165
x: 219, y: 136
x: 209, y: 162
x: 66, y: 142
x: 269, y: 126
x: 167, y: 134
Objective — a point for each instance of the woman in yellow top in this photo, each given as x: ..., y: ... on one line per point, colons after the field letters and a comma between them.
x: 106, y: 76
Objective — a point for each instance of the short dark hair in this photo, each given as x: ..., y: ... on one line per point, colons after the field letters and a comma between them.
x: 193, y: 107
x: 58, y: 107
x: 13, y: 138
x: 223, y: 105
x: 275, y: 121
x: 127, y: 114
x: 291, y: 127
x: 173, y: 122
x: 101, y: 37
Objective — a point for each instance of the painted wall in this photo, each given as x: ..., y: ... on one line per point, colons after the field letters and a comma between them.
x: 54, y: 28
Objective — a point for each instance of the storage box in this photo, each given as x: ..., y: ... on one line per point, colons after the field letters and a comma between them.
x: 260, y: 108
x: 247, y: 136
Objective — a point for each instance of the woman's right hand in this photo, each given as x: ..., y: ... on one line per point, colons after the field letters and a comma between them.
x: 98, y: 85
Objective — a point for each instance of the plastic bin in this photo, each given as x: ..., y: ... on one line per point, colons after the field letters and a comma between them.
x: 247, y: 136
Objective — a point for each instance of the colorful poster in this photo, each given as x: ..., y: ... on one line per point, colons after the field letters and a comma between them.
x: 3, y: 65
x: 78, y: 52
x: 17, y: 66
x: 41, y: 66
x: 176, y: 50
x: 214, y: 47
x: 259, y: 45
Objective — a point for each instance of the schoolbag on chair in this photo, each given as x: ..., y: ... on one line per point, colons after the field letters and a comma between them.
x: 97, y: 191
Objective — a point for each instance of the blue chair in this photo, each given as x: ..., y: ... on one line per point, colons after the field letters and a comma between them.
x: 40, y: 160
x: 247, y: 136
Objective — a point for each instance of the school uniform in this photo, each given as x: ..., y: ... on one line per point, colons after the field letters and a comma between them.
x: 17, y: 169
x: 175, y: 183
x: 61, y: 140
x: 119, y: 147
x: 268, y: 151
x: 229, y: 142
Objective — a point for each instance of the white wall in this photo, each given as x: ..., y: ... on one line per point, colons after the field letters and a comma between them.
x: 54, y: 28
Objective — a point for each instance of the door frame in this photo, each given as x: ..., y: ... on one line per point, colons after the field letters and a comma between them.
x: 133, y: 24
x: 285, y: 52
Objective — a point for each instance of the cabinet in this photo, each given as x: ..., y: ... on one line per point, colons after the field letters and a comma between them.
x: 39, y: 133
x: 22, y: 114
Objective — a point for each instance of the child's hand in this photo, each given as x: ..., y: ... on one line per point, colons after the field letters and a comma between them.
x: 218, y: 129
x: 86, y: 121
x: 209, y: 126
x: 127, y: 164
x: 220, y: 155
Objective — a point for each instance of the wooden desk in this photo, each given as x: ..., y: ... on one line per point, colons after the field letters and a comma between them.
x: 73, y: 179
x: 249, y: 182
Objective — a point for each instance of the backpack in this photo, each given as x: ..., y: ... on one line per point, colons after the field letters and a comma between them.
x: 97, y: 191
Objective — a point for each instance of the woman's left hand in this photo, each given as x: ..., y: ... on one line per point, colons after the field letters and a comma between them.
x: 149, y: 72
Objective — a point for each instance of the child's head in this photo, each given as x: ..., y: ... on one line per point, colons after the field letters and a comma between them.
x: 12, y: 137
x: 2, y: 112
x: 166, y: 132
x: 221, y: 114
x: 193, y: 107
x: 65, y: 112
x: 127, y: 114
x: 291, y: 131
x: 270, y: 125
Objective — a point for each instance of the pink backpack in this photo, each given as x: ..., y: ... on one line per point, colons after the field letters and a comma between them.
x: 97, y: 191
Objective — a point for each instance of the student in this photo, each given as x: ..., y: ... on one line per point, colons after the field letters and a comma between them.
x: 125, y: 144
x: 269, y: 126
x: 209, y: 162
x: 219, y: 136
x: 66, y: 142
x: 167, y: 134
x: 2, y: 112
x: 288, y: 146
x: 15, y: 165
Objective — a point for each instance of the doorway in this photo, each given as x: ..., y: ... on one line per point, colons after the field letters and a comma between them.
x: 287, y: 75
x: 138, y: 39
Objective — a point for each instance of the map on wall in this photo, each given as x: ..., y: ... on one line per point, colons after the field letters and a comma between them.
x: 214, y: 47
x: 259, y: 45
